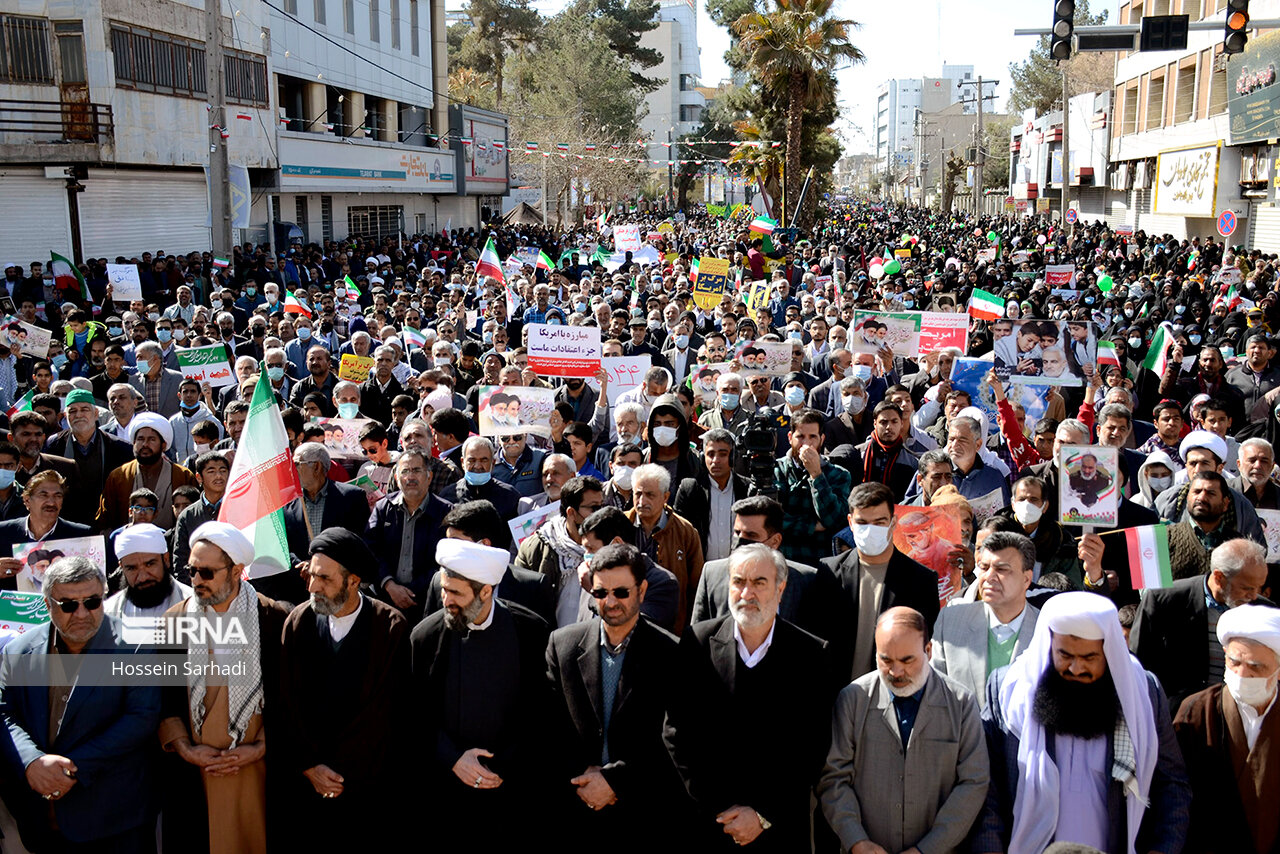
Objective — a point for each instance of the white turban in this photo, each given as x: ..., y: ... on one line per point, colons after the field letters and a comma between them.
x: 227, y: 537
x: 144, y: 538
x: 156, y: 422
x: 1204, y: 439
x: 1258, y: 623
x: 474, y: 561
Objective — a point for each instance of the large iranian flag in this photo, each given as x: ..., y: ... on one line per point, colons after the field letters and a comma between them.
x: 490, y: 264
x: 1149, y: 563
x: 263, y: 480
x: 66, y: 276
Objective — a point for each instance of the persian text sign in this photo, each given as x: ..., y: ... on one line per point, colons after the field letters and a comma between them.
x: 1187, y: 181
x: 563, y: 351
x: 206, y: 365
x: 713, y: 279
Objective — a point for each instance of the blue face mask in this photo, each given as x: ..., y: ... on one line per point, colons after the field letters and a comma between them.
x: 304, y: 333
x: 58, y: 361
x: 580, y: 307
x: 348, y: 410
x: 796, y: 336
x: 729, y: 400
x: 115, y: 331
x: 274, y: 373
x: 251, y: 291
x: 164, y: 335
x: 1088, y: 300
x: 478, y: 478
x: 1195, y: 339
x: 908, y: 303
x: 794, y: 395
x: 6, y: 478
x: 682, y: 341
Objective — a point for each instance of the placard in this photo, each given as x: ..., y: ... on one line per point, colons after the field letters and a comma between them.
x: 37, y: 556
x: 526, y: 525
x: 758, y: 295
x: 1230, y: 276
x: 20, y: 613
x: 873, y: 330
x: 563, y: 351
x: 626, y: 238
x: 515, y: 410
x: 1059, y: 275
x: 927, y: 535
x: 1045, y: 352
x: 772, y: 358
x: 985, y: 506
x: 1187, y: 181
x: 625, y: 373
x: 206, y: 365
x: 822, y: 282
x: 341, y: 436
x: 31, y: 339
x: 355, y: 368
x: 1087, y: 493
x: 126, y: 285
x: 1270, y: 521
x: 940, y: 329
x: 969, y: 375
x: 902, y: 254
x: 712, y: 281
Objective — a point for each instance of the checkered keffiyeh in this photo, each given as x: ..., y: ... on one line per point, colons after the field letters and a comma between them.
x: 1124, y: 764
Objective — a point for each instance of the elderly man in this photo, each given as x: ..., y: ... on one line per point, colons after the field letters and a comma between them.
x: 751, y: 665
x: 377, y: 392
x: 403, y: 531
x: 1257, y: 460
x: 971, y: 640
x: 325, y: 503
x: 729, y: 412
x: 148, y: 587
x: 245, y: 368
x: 159, y: 384
x: 610, y: 752
x: 150, y: 435
x: 883, y: 790
x: 670, y: 540
x: 415, y: 435
x: 1174, y: 633
x: 478, y: 483
x: 123, y: 401
x: 479, y: 696
x: 70, y: 752
x: 972, y: 477
x: 44, y: 496
x: 95, y: 453
x: 519, y: 466
x: 1228, y: 736
x: 1081, y: 745
x: 216, y: 725
x: 348, y: 655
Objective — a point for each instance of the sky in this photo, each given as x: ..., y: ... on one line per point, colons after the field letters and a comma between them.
x: 901, y: 39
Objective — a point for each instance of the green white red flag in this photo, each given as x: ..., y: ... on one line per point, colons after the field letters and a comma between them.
x: 763, y: 224
x: 1107, y: 354
x: 413, y: 338
x: 985, y: 306
x: 262, y: 481
x: 67, y: 276
x: 1149, y: 564
x: 293, y: 305
x: 490, y: 264
x: 23, y: 404
x: 1157, y: 359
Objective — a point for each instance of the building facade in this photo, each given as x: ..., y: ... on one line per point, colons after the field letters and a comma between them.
x: 674, y: 108
x: 1035, y: 159
x: 898, y: 105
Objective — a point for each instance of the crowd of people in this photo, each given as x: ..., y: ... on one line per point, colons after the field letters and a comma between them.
x: 738, y: 624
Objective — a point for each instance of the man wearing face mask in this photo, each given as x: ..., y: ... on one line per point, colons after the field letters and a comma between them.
x: 825, y: 396
x: 667, y: 433
x: 1174, y: 633
x: 477, y: 480
x: 680, y: 355
x: 728, y: 413
x: 1228, y: 736
x: 1056, y: 550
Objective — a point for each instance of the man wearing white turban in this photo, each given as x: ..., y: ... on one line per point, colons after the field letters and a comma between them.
x: 150, y: 436
x: 1231, y: 740
x: 478, y: 674
x: 149, y: 588
x: 1081, y: 746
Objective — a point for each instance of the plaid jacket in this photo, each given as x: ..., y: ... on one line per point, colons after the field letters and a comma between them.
x: 806, y: 502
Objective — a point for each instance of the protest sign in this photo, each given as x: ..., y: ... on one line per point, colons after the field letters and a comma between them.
x: 355, y: 368
x: 765, y: 357
x: 1068, y: 294
x: 1060, y: 275
x: 341, y: 436
x: 985, y: 506
x: 902, y: 254
x: 986, y: 256
x: 1087, y: 492
x: 666, y: 227
x: 1045, y: 352
x: 126, y: 285
x: 626, y: 238
x: 206, y: 365
x: 526, y: 525
x: 1270, y: 520
x: 822, y: 282
x: 940, y: 329
x: 516, y: 410
x: 1020, y: 257
x: 31, y: 340
x: 20, y: 613
x: 37, y: 556
x: 927, y: 535
x: 758, y: 295
x: 873, y: 330
x: 625, y: 373
x: 527, y: 255
x: 372, y: 492
x: 563, y: 351
x: 1230, y: 276
x: 712, y: 281
x: 969, y: 375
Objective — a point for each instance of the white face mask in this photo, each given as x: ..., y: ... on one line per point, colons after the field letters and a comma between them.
x: 622, y: 476
x: 855, y: 404
x: 1250, y: 690
x: 665, y: 436
x: 201, y: 447
x: 871, y: 539
x: 1160, y: 484
x: 1027, y: 512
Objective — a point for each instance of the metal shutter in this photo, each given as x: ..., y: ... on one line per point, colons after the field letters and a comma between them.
x: 1264, y: 229
x: 127, y: 213
x: 38, y: 222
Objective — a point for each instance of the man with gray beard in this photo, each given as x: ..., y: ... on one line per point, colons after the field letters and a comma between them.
x: 480, y: 705
x: 344, y: 673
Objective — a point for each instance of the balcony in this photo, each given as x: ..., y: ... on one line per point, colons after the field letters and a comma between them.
x: 59, y: 131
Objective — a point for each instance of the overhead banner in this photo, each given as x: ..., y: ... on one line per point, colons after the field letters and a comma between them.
x: 1253, y: 98
x: 1187, y: 181
x: 713, y: 279
x: 563, y: 351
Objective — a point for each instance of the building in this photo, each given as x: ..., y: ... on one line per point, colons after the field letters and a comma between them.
x: 1035, y: 159
x: 674, y: 108
x: 951, y: 131
x: 897, y: 105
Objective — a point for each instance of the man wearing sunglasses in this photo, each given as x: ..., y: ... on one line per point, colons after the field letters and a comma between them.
x: 73, y: 752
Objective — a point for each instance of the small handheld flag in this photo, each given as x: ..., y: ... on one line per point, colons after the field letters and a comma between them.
x: 985, y: 306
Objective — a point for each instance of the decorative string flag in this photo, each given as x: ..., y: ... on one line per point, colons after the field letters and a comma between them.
x: 985, y: 306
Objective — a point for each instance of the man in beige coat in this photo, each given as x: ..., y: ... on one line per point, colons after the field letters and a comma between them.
x: 880, y: 797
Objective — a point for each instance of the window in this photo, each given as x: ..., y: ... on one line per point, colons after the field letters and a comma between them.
x: 155, y: 62
x: 395, y: 24
x: 71, y: 52
x: 1159, y: 7
x: 374, y: 220
x: 1184, y: 99
x: 373, y: 21
x: 319, y: 11
x: 24, y: 50
x: 1155, y: 102
x: 291, y: 7
x: 349, y: 16
x: 1194, y: 9
x: 413, y: 26
x: 690, y: 113
x: 300, y: 217
x: 1129, y: 118
x: 1218, y: 86
x: 326, y: 218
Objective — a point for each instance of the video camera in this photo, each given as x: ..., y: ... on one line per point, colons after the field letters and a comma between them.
x: 759, y: 447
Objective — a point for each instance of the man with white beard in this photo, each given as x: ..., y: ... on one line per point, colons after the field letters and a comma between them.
x: 881, y: 796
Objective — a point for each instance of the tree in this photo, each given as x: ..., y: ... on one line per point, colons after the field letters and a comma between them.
x: 995, y: 167
x: 468, y: 86
x: 623, y: 22
x: 1037, y: 80
x: 792, y: 53
x: 498, y: 27
x: 951, y: 172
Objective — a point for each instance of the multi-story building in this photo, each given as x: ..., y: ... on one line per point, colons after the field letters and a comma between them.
x: 1035, y: 159
x: 674, y: 108
x: 899, y: 101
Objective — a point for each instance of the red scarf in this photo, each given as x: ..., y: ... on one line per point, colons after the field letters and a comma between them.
x: 891, y: 453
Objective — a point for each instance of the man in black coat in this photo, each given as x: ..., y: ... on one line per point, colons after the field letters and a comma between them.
x: 746, y: 671
x: 693, y: 500
x: 94, y: 453
x: 478, y: 483
x: 611, y: 687
x: 1170, y: 634
x: 341, y: 504
x: 377, y: 392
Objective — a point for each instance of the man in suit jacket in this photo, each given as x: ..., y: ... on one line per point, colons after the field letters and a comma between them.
x: 707, y: 499
x: 908, y: 764
x: 476, y: 458
x: 67, y: 766
x: 43, y: 496
x: 341, y: 505
x: 875, y: 567
x: 377, y: 392
x: 404, y: 578
x: 28, y: 430
x: 159, y: 384
x: 729, y: 677
x: 825, y: 395
x: 1174, y: 633
x: 973, y: 639
x: 611, y: 687
x: 94, y: 453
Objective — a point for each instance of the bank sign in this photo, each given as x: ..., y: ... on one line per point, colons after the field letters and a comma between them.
x: 1253, y: 90
x: 325, y: 165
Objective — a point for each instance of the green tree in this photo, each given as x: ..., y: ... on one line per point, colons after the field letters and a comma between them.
x: 623, y: 22
x: 1037, y: 80
x: 792, y: 52
x: 995, y: 168
x: 498, y: 27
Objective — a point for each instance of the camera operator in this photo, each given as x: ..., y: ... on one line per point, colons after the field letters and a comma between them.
x: 813, y: 492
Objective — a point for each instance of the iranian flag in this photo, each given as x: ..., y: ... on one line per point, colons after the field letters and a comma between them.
x: 413, y: 337
x: 67, y: 277
x: 985, y: 306
x: 293, y: 305
x: 262, y: 481
x: 1107, y: 354
x: 763, y: 224
x: 353, y: 293
x: 23, y: 404
x: 490, y: 264
x: 1158, y: 356
x: 220, y: 263
x: 544, y: 261
x: 1149, y: 564
x: 693, y: 271
x: 602, y: 219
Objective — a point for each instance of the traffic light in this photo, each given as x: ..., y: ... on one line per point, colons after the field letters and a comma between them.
x: 1233, y: 40
x: 1064, y: 24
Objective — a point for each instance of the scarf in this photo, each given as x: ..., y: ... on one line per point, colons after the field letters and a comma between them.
x: 889, y: 452
x: 556, y: 535
x: 244, y: 696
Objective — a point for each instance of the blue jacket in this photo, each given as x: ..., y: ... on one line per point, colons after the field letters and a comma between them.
x: 108, y: 731
x: 981, y: 480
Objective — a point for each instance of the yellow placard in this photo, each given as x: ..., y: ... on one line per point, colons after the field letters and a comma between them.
x: 354, y: 368
x: 902, y: 253
x: 771, y: 264
x: 758, y: 295
x: 713, y: 280
x: 666, y: 228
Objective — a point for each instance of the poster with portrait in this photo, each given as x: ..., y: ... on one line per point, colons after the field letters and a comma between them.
x: 928, y: 535
x: 36, y: 557
x: 341, y: 436
x: 969, y: 375
x: 526, y: 525
x: 1087, y: 491
x: 1270, y: 521
x: 1045, y: 352
x: 765, y: 357
x: 31, y: 339
x: 516, y: 410
x: 873, y: 330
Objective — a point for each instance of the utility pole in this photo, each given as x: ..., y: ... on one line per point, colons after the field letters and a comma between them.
x: 979, y: 158
x: 1066, y: 147
x: 671, y: 182
x: 215, y: 86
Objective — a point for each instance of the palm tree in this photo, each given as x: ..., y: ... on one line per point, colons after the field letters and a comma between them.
x: 792, y: 52
x: 759, y: 162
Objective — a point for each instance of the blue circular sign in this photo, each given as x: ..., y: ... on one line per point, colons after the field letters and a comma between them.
x: 1072, y: 216
x: 1227, y: 223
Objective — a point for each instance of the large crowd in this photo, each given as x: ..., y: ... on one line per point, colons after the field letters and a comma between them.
x: 832, y: 606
